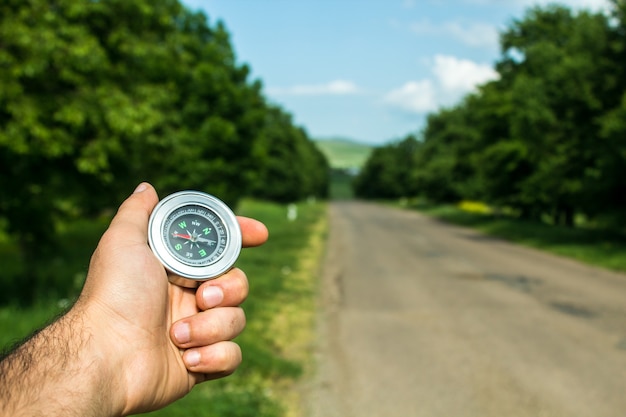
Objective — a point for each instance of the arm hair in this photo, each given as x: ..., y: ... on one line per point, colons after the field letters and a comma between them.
x: 56, y: 372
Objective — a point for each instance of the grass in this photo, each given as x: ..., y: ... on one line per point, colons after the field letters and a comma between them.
x: 59, y: 282
x: 343, y: 153
x: 603, y: 248
x: 278, y: 341
x: 58, y: 276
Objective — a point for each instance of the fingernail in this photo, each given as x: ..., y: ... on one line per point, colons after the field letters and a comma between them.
x: 191, y: 358
x: 141, y: 187
x: 182, y: 333
x: 212, y: 296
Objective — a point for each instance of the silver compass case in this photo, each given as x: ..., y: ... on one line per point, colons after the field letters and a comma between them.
x: 195, y: 235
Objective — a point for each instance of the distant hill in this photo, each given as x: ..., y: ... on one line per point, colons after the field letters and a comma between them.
x: 344, y: 153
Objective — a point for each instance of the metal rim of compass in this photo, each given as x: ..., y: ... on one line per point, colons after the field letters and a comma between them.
x: 193, y: 275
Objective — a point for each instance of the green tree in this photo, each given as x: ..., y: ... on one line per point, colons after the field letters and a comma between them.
x: 499, y: 163
x: 445, y: 171
x: 560, y: 85
x: 547, y: 136
x: 290, y: 167
x: 388, y: 171
x: 612, y: 165
x: 96, y: 96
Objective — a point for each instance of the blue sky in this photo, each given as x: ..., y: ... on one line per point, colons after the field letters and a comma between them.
x: 368, y: 70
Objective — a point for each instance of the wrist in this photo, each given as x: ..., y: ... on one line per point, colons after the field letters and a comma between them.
x: 93, y: 368
x: 107, y: 383
x: 59, y: 371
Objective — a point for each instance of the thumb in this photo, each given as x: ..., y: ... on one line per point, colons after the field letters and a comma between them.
x: 122, y: 254
x: 134, y: 213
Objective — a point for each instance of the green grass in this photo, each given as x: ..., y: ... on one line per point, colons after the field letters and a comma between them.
x: 56, y: 277
x: 58, y: 283
x: 343, y: 153
x: 277, y: 342
x: 604, y: 248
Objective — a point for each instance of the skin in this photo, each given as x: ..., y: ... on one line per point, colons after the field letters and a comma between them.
x: 133, y: 342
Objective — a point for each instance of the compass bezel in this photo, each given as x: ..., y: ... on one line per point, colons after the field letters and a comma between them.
x: 196, y: 273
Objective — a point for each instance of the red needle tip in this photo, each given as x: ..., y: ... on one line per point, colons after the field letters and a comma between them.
x: 181, y: 236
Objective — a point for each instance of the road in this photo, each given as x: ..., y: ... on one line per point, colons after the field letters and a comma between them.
x: 420, y: 318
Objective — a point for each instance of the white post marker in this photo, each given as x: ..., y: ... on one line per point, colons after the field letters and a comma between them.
x: 292, y: 212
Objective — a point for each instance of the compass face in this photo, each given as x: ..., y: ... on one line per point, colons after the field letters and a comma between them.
x: 194, y: 235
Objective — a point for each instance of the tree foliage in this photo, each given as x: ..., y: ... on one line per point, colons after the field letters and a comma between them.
x: 387, y: 171
x: 548, y: 136
x: 96, y: 96
x: 295, y: 168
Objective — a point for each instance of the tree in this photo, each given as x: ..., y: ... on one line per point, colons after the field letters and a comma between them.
x: 612, y: 165
x: 97, y: 96
x: 546, y: 137
x: 444, y: 170
x: 290, y: 167
x: 387, y: 172
x: 562, y: 83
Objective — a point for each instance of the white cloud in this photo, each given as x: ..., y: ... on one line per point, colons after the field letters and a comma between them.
x: 414, y: 97
x: 452, y: 79
x: 337, y: 87
x: 460, y: 76
x: 474, y: 34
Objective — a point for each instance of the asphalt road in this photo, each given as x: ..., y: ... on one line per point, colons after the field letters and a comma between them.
x: 420, y: 318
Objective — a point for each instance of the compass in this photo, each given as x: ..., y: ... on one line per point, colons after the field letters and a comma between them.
x: 195, y: 236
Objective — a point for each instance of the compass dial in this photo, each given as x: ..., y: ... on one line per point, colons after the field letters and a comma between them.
x: 195, y: 235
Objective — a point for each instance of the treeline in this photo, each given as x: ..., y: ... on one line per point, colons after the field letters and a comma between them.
x: 96, y: 96
x: 548, y: 137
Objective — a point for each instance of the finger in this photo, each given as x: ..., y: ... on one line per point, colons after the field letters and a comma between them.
x: 214, y: 361
x: 133, y: 215
x: 228, y: 290
x: 253, y: 232
x: 208, y: 327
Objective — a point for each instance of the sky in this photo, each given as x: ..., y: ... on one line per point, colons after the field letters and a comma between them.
x: 368, y: 70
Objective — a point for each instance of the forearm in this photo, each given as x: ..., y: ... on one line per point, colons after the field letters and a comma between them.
x: 57, y: 372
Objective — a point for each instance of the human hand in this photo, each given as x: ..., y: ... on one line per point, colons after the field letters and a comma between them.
x: 158, y: 339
